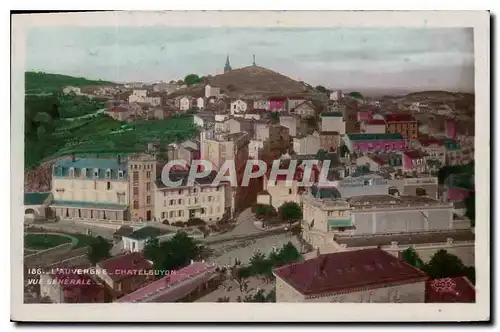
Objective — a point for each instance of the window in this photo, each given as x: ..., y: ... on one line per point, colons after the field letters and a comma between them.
x: 136, y: 190
x: 120, y: 175
x: 135, y: 166
x: 84, y: 173
x: 180, y: 192
x: 209, y: 198
x: 179, y: 201
x: 71, y: 172
x: 108, y: 174
x: 96, y: 173
x: 119, y: 285
x: 108, y: 185
x: 148, y: 186
x: 148, y: 175
x: 163, y: 215
x: 136, y: 205
x: 148, y: 200
x: 171, y: 214
x: 172, y: 202
x: 136, y: 176
x: 217, y: 188
x: 289, y: 191
x: 194, y: 190
x: 164, y: 193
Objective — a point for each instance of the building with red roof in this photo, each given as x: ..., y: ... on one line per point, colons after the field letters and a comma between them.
x: 374, y: 126
x: 72, y: 285
x: 414, y: 161
x: 125, y: 273
x: 369, y: 275
x: 403, y: 123
x: 450, y: 290
x: 184, y: 285
x: 120, y: 112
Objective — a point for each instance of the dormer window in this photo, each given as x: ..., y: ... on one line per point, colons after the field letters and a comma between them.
x: 120, y: 174
x: 71, y: 172
x: 84, y: 172
x: 96, y: 172
x: 108, y: 174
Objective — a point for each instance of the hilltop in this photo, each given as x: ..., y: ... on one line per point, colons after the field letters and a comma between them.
x: 45, y: 82
x: 251, y: 80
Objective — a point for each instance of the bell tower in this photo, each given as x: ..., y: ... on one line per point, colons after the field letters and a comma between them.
x: 227, y: 67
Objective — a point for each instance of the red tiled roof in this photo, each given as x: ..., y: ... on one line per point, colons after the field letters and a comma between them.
x: 277, y: 98
x: 171, y: 287
x: 77, y: 288
x: 395, y: 117
x: 429, y: 141
x: 349, y: 271
x: 379, y: 160
x: 375, y: 122
x: 414, y: 154
x: 128, y: 262
x: 450, y: 290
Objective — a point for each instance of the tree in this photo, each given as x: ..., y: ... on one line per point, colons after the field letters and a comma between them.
x: 321, y: 89
x: 411, y: 257
x: 470, y: 208
x: 344, y: 151
x: 444, y: 265
x: 264, y: 211
x: 99, y: 250
x: 274, y: 116
x: 174, y: 253
x: 356, y: 95
x: 290, y: 211
x: 288, y: 254
x: 321, y: 155
x: 192, y: 79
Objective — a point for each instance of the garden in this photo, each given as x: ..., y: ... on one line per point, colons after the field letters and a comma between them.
x: 43, y: 241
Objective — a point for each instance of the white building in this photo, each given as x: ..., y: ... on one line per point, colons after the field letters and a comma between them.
x: 262, y: 104
x: 137, y: 240
x: 290, y: 122
x: 72, y: 89
x: 336, y: 95
x: 253, y: 148
x: 211, y: 91
x: 238, y: 106
x: 309, y: 144
x: 183, y: 103
x: 333, y: 121
x: 200, y: 103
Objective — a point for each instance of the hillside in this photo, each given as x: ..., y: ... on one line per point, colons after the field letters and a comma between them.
x: 45, y: 82
x: 251, y: 80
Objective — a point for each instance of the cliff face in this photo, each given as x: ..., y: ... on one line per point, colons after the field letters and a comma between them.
x: 38, y: 179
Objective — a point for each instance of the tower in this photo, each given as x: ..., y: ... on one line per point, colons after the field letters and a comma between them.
x: 227, y: 67
x: 254, y: 60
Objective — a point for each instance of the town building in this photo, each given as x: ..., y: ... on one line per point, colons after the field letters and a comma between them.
x: 309, y: 144
x: 91, y: 189
x: 183, y: 285
x: 202, y: 200
x: 333, y: 121
x: 120, y: 113
x: 373, y: 126
x: 365, y: 116
x: 404, y: 124
x: 238, y: 106
x: 329, y: 140
x: 336, y: 95
x: 289, y: 121
x: 453, y: 152
x: 304, y: 109
x: 370, y: 275
x: 183, y: 103
x: 36, y: 206
x: 144, y: 96
x: 120, y: 273
x: 253, y: 148
x: 211, y: 91
x: 72, y: 287
x: 72, y: 90
x: 435, y: 150
x: 143, y: 169
x: 262, y: 104
x: 370, y: 143
x: 277, y: 104
x: 136, y: 240
x: 204, y: 119
x: 379, y: 162
x: 414, y: 162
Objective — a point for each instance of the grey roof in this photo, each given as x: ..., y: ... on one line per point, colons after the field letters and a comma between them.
x: 148, y: 232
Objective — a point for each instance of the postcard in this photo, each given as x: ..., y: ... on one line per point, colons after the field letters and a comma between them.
x: 270, y: 163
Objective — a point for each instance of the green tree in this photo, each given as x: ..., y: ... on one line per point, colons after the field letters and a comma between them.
x: 470, y: 207
x: 287, y: 254
x: 274, y: 116
x: 290, y: 211
x: 344, y: 151
x: 264, y: 211
x: 356, y: 95
x: 444, y: 265
x: 99, y: 250
x: 321, y: 155
x: 192, y: 79
x: 321, y: 89
x: 411, y: 257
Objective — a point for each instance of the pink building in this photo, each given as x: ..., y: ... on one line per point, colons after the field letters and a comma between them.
x: 184, y: 285
x: 450, y: 129
x: 367, y: 143
x: 414, y: 161
x: 277, y: 104
x: 365, y: 115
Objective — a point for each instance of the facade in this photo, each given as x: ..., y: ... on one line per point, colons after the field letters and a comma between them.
x: 142, y: 170
x: 262, y: 104
x: 365, y: 115
x: 91, y: 189
x: 281, y: 191
x: 238, y: 125
x: 414, y: 162
x: 120, y: 113
x: 200, y: 103
x: 36, y: 206
x: 381, y: 161
x: 304, y: 109
x: 404, y: 124
x: 137, y: 240
x: 329, y: 140
x: 290, y: 122
x: 435, y: 151
x: 369, y: 143
x: 277, y: 104
x: 336, y: 95
x: 370, y: 275
x: 182, y: 203
x: 120, y: 275
x: 333, y: 121
x: 62, y: 287
x: 238, y: 106
x: 453, y: 152
x: 184, y: 285
x: 211, y: 91
x: 309, y: 144
x: 375, y: 126
x: 183, y: 103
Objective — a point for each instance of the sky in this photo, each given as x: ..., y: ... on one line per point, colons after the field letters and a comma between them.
x: 343, y: 58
